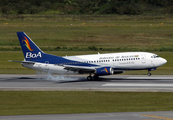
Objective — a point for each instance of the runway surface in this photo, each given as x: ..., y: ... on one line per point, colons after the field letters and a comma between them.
x: 168, y: 115
x: 158, y: 83
x: 79, y: 83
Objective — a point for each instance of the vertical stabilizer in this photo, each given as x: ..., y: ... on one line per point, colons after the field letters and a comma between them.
x: 30, y: 50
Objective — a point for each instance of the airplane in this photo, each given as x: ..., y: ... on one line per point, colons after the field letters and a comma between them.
x: 96, y: 64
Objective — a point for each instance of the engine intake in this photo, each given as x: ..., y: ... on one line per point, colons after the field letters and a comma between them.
x: 104, y: 71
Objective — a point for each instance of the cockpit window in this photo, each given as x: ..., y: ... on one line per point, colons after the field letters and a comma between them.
x: 155, y: 56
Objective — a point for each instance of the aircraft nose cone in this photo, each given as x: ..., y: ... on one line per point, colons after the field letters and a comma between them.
x: 163, y: 61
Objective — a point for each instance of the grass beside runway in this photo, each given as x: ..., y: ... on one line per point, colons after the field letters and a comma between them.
x: 101, y: 36
x: 63, y: 102
x: 77, y: 38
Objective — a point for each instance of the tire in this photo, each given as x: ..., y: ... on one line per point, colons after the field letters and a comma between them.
x: 149, y: 74
x: 96, y: 77
x: 89, y: 78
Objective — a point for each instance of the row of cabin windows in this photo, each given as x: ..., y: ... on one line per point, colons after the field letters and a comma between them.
x: 72, y: 63
x: 97, y: 61
x: 127, y: 59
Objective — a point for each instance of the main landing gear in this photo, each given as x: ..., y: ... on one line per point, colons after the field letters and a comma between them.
x: 95, y: 77
x: 89, y: 78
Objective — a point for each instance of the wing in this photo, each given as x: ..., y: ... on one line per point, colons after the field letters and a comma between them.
x: 80, y: 69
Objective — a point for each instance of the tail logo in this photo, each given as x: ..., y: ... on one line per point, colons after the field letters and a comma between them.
x: 27, y: 44
x: 106, y: 70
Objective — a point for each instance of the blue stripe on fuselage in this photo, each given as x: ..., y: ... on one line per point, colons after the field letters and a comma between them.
x: 52, y: 59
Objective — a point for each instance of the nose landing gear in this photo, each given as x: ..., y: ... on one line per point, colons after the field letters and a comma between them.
x: 149, y: 74
x: 151, y: 69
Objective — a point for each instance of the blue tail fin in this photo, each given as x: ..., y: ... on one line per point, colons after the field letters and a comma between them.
x: 30, y: 50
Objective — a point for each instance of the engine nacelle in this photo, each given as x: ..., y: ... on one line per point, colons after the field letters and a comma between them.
x: 104, y: 71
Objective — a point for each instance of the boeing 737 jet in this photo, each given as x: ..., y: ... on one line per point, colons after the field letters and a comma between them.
x: 96, y: 64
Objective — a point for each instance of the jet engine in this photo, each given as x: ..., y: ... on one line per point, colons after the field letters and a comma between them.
x: 104, y: 71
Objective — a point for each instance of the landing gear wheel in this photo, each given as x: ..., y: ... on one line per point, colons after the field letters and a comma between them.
x: 149, y: 74
x: 89, y: 78
x: 96, y: 77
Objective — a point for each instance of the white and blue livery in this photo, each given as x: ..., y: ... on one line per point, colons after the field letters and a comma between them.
x: 96, y: 64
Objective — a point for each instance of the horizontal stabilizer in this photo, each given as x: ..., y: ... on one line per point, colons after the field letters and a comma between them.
x: 29, y: 62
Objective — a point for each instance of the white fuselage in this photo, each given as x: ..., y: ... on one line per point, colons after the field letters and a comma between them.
x: 118, y: 61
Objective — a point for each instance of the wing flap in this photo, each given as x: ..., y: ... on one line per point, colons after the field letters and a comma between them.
x: 79, y: 68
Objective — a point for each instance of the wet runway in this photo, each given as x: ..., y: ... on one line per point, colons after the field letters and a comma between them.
x: 138, y: 83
